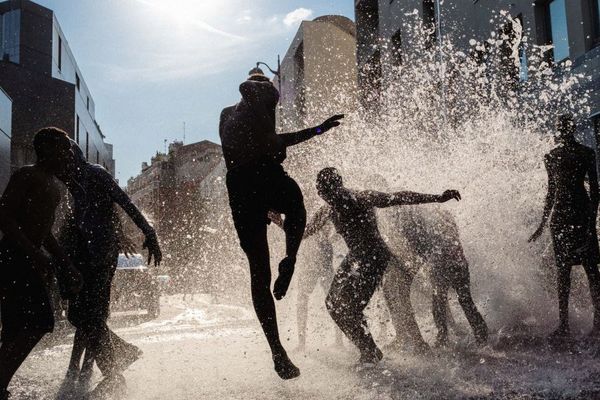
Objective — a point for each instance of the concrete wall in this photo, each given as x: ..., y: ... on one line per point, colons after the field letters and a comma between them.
x: 318, y: 73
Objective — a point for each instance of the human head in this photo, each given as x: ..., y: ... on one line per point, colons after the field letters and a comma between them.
x: 565, y: 127
x: 257, y: 74
x: 52, y: 148
x: 329, y: 181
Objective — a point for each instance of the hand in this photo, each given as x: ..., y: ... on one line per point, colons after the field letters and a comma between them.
x: 449, y: 195
x: 536, y: 235
x: 329, y: 123
x: 151, y: 243
x: 127, y: 246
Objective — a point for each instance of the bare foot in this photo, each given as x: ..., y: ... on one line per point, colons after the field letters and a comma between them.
x: 286, y: 271
x: 284, y: 367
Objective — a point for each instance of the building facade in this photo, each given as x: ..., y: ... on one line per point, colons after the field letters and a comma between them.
x: 318, y: 72
x: 5, y: 138
x: 165, y: 187
x: 39, y: 72
x: 570, y: 27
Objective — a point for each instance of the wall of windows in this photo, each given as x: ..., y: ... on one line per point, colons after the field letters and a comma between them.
x: 10, y: 29
x: 557, y: 20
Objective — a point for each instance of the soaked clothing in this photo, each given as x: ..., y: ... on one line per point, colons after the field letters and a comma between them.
x: 572, y: 221
x: 361, y: 272
x: 24, y: 301
x: 256, y: 190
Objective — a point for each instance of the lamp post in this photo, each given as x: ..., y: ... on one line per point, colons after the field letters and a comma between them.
x: 278, y: 75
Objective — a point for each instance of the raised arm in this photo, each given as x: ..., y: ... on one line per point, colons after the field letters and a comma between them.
x: 382, y: 200
x: 294, y: 138
x: 318, y: 221
x: 549, y: 201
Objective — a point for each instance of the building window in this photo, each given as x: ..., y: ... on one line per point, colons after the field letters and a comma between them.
x: 77, y: 131
x: 88, y: 103
x: 97, y: 157
x: 558, y: 33
x: 397, y: 47
x: 10, y: 32
x: 59, y: 52
x: 429, y: 22
x: 594, y: 8
x: 77, y: 82
x: 87, y: 146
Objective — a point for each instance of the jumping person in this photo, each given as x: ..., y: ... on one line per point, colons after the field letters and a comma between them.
x: 27, y: 210
x: 572, y: 212
x: 257, y: 183
x: 353, y: 216
x: 432, y: 237
x: 95, y: 194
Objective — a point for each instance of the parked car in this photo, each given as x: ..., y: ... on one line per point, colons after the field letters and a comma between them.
x: 135, y: 287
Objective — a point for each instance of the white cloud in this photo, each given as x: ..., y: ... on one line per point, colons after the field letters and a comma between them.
x: 298, y: 15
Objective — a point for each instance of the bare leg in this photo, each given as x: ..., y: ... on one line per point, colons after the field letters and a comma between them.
x: 13, y: 352
x: 480, y: 329
x: 348, y: 297
x: 257, y: 251
x: 564, y: 286
x: 593, y: 275
x: 79, y: 344
x: 440, y: 308
x: 302, y: 316
x: 396, y: 289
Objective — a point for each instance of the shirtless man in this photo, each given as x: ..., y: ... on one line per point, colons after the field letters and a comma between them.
x: 353, y: 216
x: 27, y: 210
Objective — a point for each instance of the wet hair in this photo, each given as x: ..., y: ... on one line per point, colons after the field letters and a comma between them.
x: 329, y: 177
x: 47, y: 140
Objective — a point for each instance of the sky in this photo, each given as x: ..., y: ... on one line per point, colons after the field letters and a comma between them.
x: 152, y: 65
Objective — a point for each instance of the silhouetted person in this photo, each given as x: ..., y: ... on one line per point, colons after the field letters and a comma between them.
x: 572, y: 212
x: 27, y: 210
x: 256, y: 184
x: 432, y: 237
x: 96, y: 250
x: 320, y: 273
x: 353, y: 216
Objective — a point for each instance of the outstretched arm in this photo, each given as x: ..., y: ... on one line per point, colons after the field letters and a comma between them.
x: 318, y: 221
x: 549, y: 202
x: 382, y: 200
x: 293, y: 138
x: 122, y: 199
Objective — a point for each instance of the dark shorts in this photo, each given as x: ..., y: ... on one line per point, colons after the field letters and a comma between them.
x: 24, y: 301
x: 256, y: 189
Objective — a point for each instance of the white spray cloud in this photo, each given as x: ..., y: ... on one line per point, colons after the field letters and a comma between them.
x: 293, y: 18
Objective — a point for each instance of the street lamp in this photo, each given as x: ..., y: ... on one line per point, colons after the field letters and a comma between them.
x: 276, y: 73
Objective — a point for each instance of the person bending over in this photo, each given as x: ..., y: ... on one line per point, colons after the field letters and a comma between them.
x: 353, y: 215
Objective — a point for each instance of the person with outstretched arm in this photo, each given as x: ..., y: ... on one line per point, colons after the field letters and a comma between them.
x: 256, y: 184
x: 353, y: 215
x: 95, y: 252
